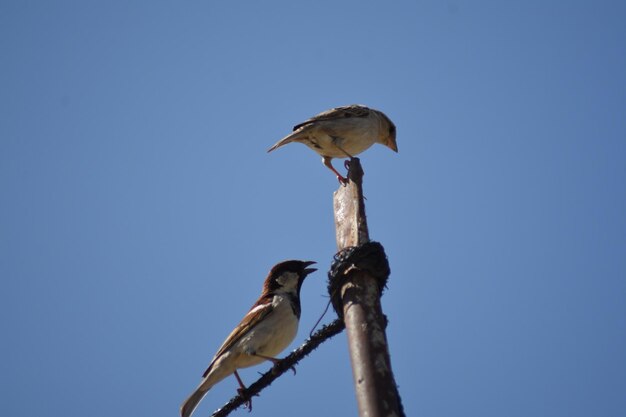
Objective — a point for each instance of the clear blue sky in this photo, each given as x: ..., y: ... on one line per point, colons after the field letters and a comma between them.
x: 140, y: 211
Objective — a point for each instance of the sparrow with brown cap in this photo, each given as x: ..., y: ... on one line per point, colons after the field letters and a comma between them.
x: 268, y: 328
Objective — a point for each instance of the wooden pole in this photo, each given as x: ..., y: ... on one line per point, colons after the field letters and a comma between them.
x: 375, y: 387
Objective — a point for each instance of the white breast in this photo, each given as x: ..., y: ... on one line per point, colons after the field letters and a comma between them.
x: 272, y: 335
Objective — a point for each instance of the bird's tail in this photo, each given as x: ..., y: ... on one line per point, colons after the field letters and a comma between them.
x: 287, y: 139
x: 192, y: 402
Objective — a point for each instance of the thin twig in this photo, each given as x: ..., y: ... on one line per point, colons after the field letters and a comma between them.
x: 323, y: 334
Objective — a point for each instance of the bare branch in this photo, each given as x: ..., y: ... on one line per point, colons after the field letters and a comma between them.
x: 323, y: 334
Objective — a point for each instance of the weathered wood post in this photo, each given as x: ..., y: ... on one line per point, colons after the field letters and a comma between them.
x: 359, y: 298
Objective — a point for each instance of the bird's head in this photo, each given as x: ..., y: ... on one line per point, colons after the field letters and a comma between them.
x: 388, y: 132
x: 287, y: 277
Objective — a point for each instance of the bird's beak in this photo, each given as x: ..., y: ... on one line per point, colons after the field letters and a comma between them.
x: 307, y: 271
x: 392, y: 144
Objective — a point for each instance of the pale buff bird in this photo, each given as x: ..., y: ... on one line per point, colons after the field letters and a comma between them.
x: 343, y: 132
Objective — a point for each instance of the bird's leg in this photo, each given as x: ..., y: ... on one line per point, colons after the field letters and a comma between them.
x: 274, y: 361
x: 326, y: 161
x: 242, y: 393
x: 346, y: 164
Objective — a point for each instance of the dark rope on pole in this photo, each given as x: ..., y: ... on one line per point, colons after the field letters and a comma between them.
x: 369, y: 257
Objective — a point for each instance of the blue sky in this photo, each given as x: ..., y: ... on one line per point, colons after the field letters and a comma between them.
x: 141, y: 211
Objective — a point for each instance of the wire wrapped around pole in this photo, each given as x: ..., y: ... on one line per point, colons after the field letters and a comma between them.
x: 369, y: 257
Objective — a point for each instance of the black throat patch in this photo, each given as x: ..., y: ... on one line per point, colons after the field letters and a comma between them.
x: 295, y: 304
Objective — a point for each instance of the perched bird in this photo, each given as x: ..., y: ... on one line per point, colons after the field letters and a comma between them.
x: 268, y: 328
x: 343, y: 132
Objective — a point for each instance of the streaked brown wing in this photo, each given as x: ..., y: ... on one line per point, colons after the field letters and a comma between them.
x: 336, y: 113
x: 257, y: 313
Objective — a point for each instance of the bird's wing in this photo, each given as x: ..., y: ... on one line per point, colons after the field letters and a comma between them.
x: 335, y: 114
x: 258, y: 312
x: 338, y: 113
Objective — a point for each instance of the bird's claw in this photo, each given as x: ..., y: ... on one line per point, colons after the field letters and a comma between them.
x: 248, y: 400
x: 346, y: 164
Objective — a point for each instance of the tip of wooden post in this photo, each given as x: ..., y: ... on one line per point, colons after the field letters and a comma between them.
x: 349, y: 205
x: 355, y: 170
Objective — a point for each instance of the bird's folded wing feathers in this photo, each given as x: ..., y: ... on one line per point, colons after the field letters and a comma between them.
x: 336, y: 113
x: 257, y: 313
